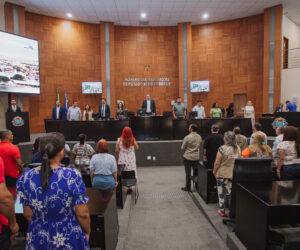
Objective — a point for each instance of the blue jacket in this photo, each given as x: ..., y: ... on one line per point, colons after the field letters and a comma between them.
x: 61, y: 114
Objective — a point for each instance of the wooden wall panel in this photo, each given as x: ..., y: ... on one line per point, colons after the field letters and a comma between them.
x: 136, y: 47
x: 69, y: 55
x: 230, y: 55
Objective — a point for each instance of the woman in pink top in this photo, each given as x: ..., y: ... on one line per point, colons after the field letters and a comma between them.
x: 125, y: 147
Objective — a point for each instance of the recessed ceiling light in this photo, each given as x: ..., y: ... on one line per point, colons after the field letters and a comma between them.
x: 205, y: 16
x: 69, y: 15
x: 143, y: 15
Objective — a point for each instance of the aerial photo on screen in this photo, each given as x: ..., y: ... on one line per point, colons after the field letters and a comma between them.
x: 19, y: 64
x: 199, y: 86
x: 91, y: 87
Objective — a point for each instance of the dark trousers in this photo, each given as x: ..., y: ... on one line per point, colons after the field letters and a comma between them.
x: 5, y: 238
x: 290, y: 172
x: 188, y: 165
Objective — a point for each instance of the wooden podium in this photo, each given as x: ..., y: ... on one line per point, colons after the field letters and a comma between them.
x: 18, y: 123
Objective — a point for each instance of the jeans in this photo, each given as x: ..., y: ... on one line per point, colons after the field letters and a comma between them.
x: 188, y: 165
x: 224, y: 188
x: 290, y: 172
x: 104, y: 181
x: 5, y: 238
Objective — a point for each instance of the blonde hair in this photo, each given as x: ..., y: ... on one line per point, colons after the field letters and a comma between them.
x: 259, y: 147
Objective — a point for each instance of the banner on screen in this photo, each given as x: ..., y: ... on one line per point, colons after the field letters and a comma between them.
x: 199, y: 86
x: 92, y: 88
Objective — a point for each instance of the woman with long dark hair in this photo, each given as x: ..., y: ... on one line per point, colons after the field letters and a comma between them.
x: 230, y: 110
x: 87, y: 113
x: 54, y: 201
x: 215, y: 111
x: 125, y: 147
x: 288, y: 163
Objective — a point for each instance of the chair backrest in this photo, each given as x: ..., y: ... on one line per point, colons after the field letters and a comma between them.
x: 249, y: 170
x: 128, y: 174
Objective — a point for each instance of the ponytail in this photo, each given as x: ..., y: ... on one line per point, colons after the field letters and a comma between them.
x: 45, y: 168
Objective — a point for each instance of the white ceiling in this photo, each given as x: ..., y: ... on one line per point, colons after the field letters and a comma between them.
x: 159, y: 12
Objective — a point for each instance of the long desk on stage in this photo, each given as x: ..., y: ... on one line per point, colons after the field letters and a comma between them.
x: 144, y: 128
x: 259, y: 206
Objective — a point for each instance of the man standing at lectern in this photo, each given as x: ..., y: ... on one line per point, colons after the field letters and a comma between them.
x: 13, y: 107
x: 104, y: 110
x: 149, y: 106
x: 58, y: 112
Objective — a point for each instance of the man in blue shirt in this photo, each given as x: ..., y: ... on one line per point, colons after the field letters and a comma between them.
x: 291, y: 107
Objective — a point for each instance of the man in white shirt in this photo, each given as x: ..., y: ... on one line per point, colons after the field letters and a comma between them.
x: 13, y: 107
x: 149, y: 106
x: 74, y: 113
x: 200, y: 110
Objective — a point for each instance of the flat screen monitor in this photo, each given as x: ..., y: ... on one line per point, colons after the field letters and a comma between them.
x: 19, y: 64
x: 199, y: 86
x: 92, y: 88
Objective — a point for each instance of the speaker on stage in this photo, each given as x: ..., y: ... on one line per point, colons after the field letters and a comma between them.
x: 18, y: 124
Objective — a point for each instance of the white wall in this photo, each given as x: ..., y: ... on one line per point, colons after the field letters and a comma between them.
x: 290, y: 78
x: 3, y: 96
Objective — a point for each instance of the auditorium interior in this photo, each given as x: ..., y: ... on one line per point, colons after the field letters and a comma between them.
x: 169, y: 71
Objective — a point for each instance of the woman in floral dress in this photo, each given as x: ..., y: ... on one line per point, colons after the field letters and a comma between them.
x: 125, y: 147
x: 54, y: 201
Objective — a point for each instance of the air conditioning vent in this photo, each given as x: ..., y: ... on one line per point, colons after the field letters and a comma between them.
x: 144, y: 23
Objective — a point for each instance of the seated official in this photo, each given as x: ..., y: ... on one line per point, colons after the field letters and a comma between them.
x: 74, y: 113
x: 103, y: 167
x: 149, y: 105
x: 54, y: 201
x: 58, y: 112
x: 82, y: 153
x: 179, y: 109
x: 104, y: 110
x: 288, y: 163
x: 258, y: 148
x: 223, y: 168
x: 87, y: 114
x: 200, y: 110
x: 121, y: 113
x: 290, y: 107
x: 215, y: 111
x: 13, y: 107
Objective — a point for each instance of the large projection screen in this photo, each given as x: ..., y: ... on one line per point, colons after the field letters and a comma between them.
x: 19, y: 64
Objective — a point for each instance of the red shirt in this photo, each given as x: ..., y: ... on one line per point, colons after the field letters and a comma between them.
x: 3, y: 220
x: 9, y: 154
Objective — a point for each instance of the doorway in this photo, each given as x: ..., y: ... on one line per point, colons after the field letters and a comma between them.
x: 240, y: 101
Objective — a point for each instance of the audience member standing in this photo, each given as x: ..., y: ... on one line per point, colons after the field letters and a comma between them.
x: 258, y: 147
x: 104, y: 110
x: 241, y: 140
x: 149, y: 106
x: 87, y: 114
x: 54, y: 201
x: 200, y: 110
x: 211, y: 146
x: 13, y: 107
x: 215, y: 111
x: 257, y: 128
x: 125, y: 147
x: 74, y: 113
x: 249, y: 112
x: 58, y: 112
x: 36, y: 154
x: 223, y: 168
x: 8, y: 223
x: 11, y: 157
x: 291, y: 107
x: 190, y: 147
x: 103, y: 167
x: 230, y: 110
x: 82, y: 153
x: 179, y: 109
x: 288, y: 164
x: 278, y: 139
